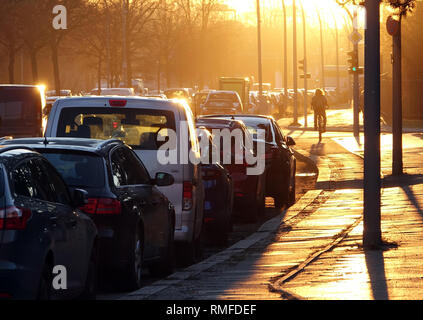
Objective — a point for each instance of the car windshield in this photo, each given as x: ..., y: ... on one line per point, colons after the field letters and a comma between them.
x: 253, y: 124
x: 223, y: 96
x: 19, y: 103
x: 176, y: 94
x: 78, y: 169
x: 144, y: 129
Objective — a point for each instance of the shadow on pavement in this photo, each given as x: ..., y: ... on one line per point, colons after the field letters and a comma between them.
x: 376, y: 269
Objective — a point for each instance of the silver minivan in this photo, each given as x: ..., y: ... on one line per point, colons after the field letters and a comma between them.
x: 146, y: 125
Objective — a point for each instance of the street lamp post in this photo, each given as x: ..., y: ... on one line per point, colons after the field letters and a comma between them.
x: 260, y: 68
x: 322, y: 57
x: 305, y: 66
x: 285, y: 58
x: 294, y: 60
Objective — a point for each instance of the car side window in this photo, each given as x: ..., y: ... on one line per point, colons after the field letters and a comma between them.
x: 29, y: 181
x: 278, y: 135
x: 118, y: 173
x: 135, y: 171
x: 56, y: 184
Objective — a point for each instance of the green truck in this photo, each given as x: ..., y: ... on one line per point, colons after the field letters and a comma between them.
x: 238, y: 84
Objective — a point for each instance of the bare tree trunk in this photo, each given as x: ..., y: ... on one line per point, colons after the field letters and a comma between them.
x: 99, y: 75
x: 34, y: 65
x: 56, y: 72
x: 12, y: 65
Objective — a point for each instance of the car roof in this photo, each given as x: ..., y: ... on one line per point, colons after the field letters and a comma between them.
x: 99, y: 147
x: 219, y: 123
x: 225, y: 116
x: 132, y: 102
x: 18, y: 86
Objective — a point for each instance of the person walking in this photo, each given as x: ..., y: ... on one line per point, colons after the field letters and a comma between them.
x: 319, y: 103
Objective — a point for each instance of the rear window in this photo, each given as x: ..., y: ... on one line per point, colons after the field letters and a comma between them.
x: 139, y: 128
x: 19, y: 103
x: 78, y: 169
x: 223, y: 96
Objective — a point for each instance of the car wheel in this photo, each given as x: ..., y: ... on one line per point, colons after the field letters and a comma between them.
x: 164, y: 266
x: 291, y: 198
x: 90, y: 289
x: 133, y: 270
x: 45, y: 285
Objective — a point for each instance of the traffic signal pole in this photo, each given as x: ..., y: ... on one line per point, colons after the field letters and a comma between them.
x: 372, y: 234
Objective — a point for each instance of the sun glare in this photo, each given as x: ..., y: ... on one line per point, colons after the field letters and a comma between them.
x: 331, y: 13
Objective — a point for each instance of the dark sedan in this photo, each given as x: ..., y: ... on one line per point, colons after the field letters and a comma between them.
x: 47, y: 246
x: 280, y: 159
x: 218, y: 192
x: 249, y: 189
x: 135, y: 220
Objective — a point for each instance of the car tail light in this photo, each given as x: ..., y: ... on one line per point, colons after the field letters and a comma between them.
x: 102, y: 206
x: 187, y: 196
x: 14, y: 218
x: 117, y: 103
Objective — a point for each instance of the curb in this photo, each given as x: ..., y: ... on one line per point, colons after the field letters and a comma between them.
x: 267, y: 228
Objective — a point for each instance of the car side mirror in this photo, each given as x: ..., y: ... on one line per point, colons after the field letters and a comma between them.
x: 290, y: 141
x: 163, y: 179
x: 79, y: 198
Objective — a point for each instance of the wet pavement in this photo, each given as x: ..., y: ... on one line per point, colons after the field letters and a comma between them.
x: 314, y: 249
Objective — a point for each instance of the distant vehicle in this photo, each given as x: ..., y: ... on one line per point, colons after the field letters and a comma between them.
x: 222, y: 102
x: 145, y: 125
x: 249, y: 190
x: 280, y: 160
x: 218, y: 193
x: 62, y: 93
x: 241, y: 85
x: 199, y: 98
x: 135, y: 221
x: 179, y: 93
x: 113, y: 92
x: 41, y: 227
x: 265, y: 87
x: 155, y: 95
x: 21, y: 110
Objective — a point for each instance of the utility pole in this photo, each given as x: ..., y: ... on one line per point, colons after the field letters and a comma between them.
x: 305, y: 66
x: 356, y: 85
x: 260, y: 68
x: 294, y: 56
x: 338, y: 81
x: 285, y: 58
x: 397, y: 164
x: 372, y: 234
x: 322, y: 57
x: 125, y: 45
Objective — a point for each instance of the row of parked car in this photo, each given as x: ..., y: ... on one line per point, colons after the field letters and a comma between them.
x: 92, y: 195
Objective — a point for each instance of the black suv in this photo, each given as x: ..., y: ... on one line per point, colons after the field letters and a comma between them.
x: 135, y: 221
x: 41, y: 230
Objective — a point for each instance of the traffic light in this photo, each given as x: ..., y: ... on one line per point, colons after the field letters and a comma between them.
x: 353, y: 62
x: 301, y: 66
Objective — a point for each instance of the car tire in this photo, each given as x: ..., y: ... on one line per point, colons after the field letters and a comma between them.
x: 90, y: 289
x: 133, y: 270
x: 45, y: 284
x: 291, y: 197
x: 165, y: 265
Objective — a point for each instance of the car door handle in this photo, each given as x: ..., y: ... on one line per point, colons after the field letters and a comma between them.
x: 53, y: 221
x: 72, y: 223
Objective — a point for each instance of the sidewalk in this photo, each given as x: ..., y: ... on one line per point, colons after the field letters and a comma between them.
x: 313, y: 250
x: 343, y: 270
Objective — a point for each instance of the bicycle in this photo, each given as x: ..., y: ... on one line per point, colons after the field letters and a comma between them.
x: 320, y: 128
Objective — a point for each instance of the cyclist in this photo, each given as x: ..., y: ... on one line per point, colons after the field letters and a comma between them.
x: 319, y: 103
